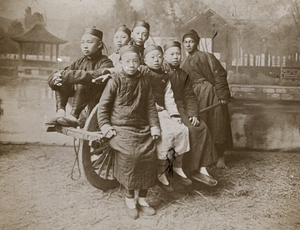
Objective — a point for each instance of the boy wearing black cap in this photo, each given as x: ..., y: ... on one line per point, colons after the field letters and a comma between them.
x: 209, y: 80
x: 76, y: 79
x: 128, y: 116
x: 140, y: 34
x: 121, y: 38
x: 174, y: 141
x: 202, y: 152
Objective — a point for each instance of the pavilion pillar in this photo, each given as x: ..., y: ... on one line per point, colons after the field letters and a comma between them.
x: 25, y: 54
x: 51, y: 52
x: 20, y: 51
x: 44, y: 51
x: 57, y: 51
x: 37, y: 49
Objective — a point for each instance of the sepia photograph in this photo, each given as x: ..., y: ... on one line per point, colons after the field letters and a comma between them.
x: 149, y: 114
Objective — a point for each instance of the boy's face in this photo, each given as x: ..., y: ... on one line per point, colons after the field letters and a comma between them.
x: 121, y: 39
x: 130, y: 62
x: 90, y: 44
x: 154, y: 59
x: 140, y: 35
x: 189, y: 44
x: 173, y: 56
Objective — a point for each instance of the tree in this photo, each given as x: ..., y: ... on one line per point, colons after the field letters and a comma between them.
x: 16, y: 28
x: 124, y: 12
x: 295, y: 11
x: 30, y: 20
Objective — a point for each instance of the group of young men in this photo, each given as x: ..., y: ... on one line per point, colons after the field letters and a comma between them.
x: 126, y: 105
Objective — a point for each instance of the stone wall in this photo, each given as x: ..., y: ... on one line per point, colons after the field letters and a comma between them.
x: 265, y: 125
x: 265, y: 92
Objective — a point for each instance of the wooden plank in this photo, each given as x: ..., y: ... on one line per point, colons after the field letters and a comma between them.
x: 76, y: 133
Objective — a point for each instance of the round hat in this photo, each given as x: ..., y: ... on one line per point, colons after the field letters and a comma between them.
x: 95, y: 32
x: 151, y: 48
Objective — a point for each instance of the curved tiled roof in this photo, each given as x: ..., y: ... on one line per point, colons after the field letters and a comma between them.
x: 38, y: 34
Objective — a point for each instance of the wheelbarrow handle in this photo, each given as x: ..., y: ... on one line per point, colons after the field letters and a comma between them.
x: 210, y: 108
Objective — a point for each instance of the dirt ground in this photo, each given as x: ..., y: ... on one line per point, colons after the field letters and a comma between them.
x: 260, y: 190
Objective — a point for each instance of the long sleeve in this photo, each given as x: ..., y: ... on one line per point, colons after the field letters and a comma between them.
x: 170, y: 104
x: 152, y: 114
x: 78, y: 76
x: 220, y: 79
x: 105, y: 106
x: 73, y: 66
x: 190, y: 100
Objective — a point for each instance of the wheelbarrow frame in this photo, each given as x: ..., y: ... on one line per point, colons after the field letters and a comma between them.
x: 91, y: 133
x: 88, y: 135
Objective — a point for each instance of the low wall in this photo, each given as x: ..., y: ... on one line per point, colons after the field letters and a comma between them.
x: 265, y: 125
x: 265, y: 92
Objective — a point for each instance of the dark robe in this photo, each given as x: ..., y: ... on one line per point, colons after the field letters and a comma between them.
x: 77, y: 82
x: 209, y: 81
x: 127, y: 105
x: 202, y: 152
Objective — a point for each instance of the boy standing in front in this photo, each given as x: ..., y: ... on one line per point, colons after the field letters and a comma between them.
x: 127, y: 115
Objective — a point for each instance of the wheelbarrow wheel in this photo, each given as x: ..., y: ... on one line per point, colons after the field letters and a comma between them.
x: 96, y: 158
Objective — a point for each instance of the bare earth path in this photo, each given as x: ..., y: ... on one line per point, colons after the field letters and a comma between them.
x: 261, y: 190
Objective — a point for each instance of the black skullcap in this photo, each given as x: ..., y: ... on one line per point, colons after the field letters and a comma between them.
x: 124, y: 29
x: 170, y: 44
x: 142, y: 23
x: 192, y: 34
x: 151, y: 48
x: 130, y: 47
x: 95, y: 32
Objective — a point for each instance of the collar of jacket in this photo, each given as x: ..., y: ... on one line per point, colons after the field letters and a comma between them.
x: 157, y: 71
x: 193, y: 54
x: 169, y: 68
x: 95, y: 55
x: 141, y: 47
x: 136, y: 75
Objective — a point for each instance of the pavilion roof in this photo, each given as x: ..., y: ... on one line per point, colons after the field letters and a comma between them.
x: 38, y: 34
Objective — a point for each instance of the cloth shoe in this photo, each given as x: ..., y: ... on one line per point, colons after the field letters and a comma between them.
x: 68, y: 122
x: 182, y: 180
x: 131, y: 208
x: 52, y: 121
x: 147, y: 210
x: 205, y: 179
x: 221, y: 163
x: 168, y: 188
x: 132, y: 213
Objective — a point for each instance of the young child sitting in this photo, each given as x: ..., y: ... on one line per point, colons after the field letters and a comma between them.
x: 76, y: 79
x: 121, y: 38
x: 174, y: 134
x: 128, y: 116
x: 203, y: 152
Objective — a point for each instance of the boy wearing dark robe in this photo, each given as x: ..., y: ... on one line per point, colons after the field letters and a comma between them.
x: 76, y: 79
x: 209, y: 81
x: 202, y: 153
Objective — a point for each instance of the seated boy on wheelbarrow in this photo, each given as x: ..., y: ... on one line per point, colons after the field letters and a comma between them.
x: 76, y: 80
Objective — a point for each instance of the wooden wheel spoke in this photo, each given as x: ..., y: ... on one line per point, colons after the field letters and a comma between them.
x: 103, y: 163
x: 97, y: 158
x: 110, y: 163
